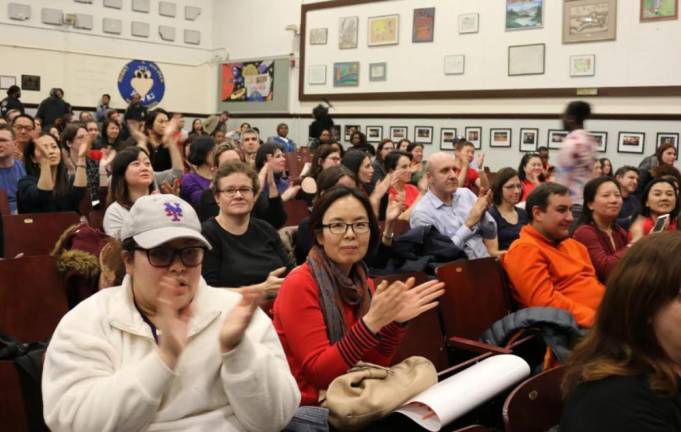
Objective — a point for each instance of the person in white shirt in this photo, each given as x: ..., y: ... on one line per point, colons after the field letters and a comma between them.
x: 164, y: 351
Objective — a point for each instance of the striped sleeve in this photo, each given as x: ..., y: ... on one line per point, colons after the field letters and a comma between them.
x: 356, y: 342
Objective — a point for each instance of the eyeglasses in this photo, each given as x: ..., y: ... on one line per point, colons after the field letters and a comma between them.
x: 342, y: 227
x: 231, y: 192
x: 163, y: 257
x: 23, y: 128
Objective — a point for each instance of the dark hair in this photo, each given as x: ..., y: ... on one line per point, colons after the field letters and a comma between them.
x: 379, y: 148
x: 580, y: 110
x: 413, y: 145
x: 118, y: 187
x: 539, y: 197
x: 193, y: 129
x: 590, y: 190
x: 621, y: 171
x: 392, y: 159
x: 265, y: 150
x: 61, y: 185
x: 523, y: 163
x: 69, y: 134
x: 13, y: 90
x: 500, y: 179
x: 151, y: 118
x: 542, y: 148
x: 235, y: 167
x: 279, y: 126
x: 399, y: 143
x: 321, y: 153
x: 645, y: 210
x: 334, y: 194
x: 603, y: 161
x: 622, y: 341
x: 330, y: 176
x: 105, y: 134
x: 353, y: 160
x: 107, y: 95
x: 661, y: 149
x: 320, y: 112
x: 362, y: 138
x: 198, y: 152
x: 26, y: 116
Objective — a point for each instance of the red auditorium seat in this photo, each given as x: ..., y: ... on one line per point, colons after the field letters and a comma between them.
x: 34, y: 233
x: 4, y: 203
x: 296, y: 211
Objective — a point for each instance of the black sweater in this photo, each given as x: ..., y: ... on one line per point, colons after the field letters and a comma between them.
x: 247, y: 259
x: 30, y: 199
x: 622, y: 404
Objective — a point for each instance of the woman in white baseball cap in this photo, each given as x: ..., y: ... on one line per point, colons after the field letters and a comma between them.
x: 165, y: 351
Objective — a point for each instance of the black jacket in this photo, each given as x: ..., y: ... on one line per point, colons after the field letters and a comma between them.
x: 10, y: 103
x: 50, y: 109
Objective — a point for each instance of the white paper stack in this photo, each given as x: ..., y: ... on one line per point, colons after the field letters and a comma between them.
x: 460, y: 393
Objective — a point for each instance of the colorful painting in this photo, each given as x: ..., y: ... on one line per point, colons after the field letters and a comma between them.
x: 424, y: 25
x: 247, y: 81
x: 347, y: 32
x: 524, y: 14
x: 346, y: 74
x: 657, y: 10
x: 384, y: 30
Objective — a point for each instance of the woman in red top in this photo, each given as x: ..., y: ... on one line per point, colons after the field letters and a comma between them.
x: 597, y: 227
x: 659, y: 198
x: 530, y: 173
x: 397, y: 165
x: 327, y: 314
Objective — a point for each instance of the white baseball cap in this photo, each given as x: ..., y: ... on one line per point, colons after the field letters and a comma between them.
x: 159, y: 218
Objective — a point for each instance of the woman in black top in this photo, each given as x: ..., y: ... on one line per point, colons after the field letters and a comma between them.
x: 246, y: 251
x: 624, y: 376
x: 359, y: 142
x: 46, y: 187
x: 506, y: 192
x: 72, y: 139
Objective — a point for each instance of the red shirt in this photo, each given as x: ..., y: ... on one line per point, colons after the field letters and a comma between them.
x: 313, y: 360
x: 411, y: 194
x: 528, y: 187
x: 649, y: 224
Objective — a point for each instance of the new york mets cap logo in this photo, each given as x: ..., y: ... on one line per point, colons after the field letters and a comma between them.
x: 173, y: 211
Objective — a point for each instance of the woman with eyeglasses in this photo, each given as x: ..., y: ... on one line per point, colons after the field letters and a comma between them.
x: 329, y: 315
x: 506, y: 192
x: 325, y: 156
x: 164, y: 350
x: 245, y: 250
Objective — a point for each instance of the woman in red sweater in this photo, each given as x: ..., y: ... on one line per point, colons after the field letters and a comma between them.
x: 530, y: 173
x: 597, y: 227
x: 660, y: 198
x: 328, y: 314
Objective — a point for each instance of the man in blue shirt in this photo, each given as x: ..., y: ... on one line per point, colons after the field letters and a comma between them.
x: 453, y: 211
x: 11, y: 170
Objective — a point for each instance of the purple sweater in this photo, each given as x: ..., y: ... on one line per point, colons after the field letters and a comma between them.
x: 191, y: 188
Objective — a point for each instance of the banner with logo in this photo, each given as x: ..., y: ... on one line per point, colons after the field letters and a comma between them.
x: 247, y: 81
x: 144, y: 78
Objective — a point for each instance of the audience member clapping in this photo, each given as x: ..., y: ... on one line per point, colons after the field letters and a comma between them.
x: 506, y: 193
x: 201, y: 158
x: 530, y: 172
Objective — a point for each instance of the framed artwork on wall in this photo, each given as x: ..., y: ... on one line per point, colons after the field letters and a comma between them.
x: 318, y: 36
x: 601, y: 141
x: 398, y: 133
x: 526, y: 59
x: 524, y: 14
x: 350, y: 129
x: 346, y: 74
x: 378, y: 71
x: 555, y: 138
x: 7, y: 81
x: 658, y: 10
x: 455, y: 64
x: 424, y: 25
x: 469, y: 23
x: 473, y: 135
x: 423, y: 134
x: 347, y: 32
x: 582, y: 65
x: 589, y: 20
x: 447, y: 138
x: 500, y: 137
x: 374, y: 134
x: 631, y: 142
x: 384, y: 30
x: 668, y: 138
x: 529, y: 138
x: 316, y: 75
x: 30, y: 82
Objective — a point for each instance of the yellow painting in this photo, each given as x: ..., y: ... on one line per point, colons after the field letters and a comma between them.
x: 384, y: 30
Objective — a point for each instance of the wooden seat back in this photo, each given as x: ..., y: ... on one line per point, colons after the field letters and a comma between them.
x: 536, y: 404
x: 296, y: 211
x: 4, y: 203
x: 34, y: 233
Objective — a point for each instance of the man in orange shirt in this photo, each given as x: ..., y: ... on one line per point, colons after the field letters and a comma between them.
x: 545, y: 266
